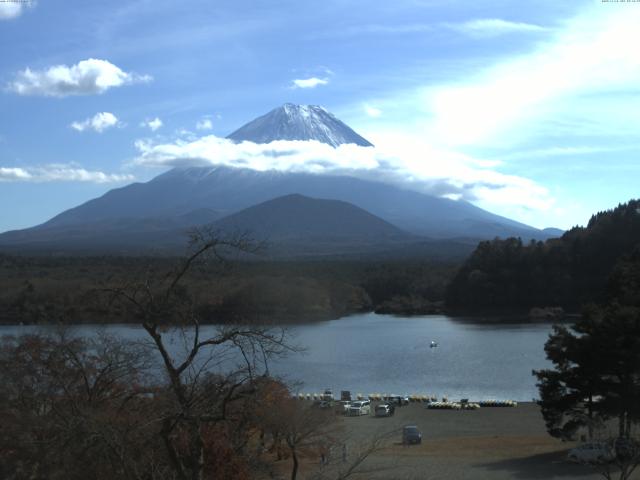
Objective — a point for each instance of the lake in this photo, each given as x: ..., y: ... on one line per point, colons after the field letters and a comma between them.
x: 370, y: 353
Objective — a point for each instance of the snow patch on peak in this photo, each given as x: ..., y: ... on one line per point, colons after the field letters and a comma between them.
x: 298, y: 122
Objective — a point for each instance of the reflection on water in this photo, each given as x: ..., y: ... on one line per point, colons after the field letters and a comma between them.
x: 372, y: 353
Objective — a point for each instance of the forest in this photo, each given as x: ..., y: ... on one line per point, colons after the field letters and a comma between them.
x: 567, y: 272
x: 41, y: 289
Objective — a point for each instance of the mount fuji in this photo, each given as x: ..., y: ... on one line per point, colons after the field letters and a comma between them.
x: 298, y: 122
x: 152, y: 217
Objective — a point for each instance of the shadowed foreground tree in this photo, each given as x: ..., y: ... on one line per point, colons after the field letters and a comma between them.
x: 181, y: 406
x: 596, y: 379
x: 193, y: 402
x: 75, y: 408
x: 200, y: 405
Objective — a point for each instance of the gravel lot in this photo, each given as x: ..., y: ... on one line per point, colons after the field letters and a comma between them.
x: 489, y: 443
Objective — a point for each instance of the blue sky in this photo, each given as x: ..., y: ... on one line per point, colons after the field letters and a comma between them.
x: 528, y: 109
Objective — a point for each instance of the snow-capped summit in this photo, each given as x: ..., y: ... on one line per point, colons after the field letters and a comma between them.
x: 298, y: 122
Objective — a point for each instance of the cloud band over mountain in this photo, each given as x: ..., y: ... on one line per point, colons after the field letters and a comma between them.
x: 403, y: 162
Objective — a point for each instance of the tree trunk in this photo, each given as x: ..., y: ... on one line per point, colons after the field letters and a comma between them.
x: 590, y: 410
x: 197, y: 453
x: 294, y: 471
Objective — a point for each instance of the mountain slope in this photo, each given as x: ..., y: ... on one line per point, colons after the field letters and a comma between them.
x: 227, y: 190
x: 296, y: 217
x: 148, y: 215
x: 298, y: 122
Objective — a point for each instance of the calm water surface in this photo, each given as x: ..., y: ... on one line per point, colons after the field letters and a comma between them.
x: 372, y: 353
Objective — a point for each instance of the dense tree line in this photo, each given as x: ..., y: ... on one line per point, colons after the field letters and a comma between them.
x: 63, y: 289
x: 568, y: 272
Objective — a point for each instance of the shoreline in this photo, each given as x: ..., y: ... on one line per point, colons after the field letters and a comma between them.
x: 493, y: 317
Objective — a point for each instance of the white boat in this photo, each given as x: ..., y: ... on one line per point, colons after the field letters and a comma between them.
x: 433, y: 344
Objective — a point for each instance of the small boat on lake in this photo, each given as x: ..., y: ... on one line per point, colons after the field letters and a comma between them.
x: 433, y: 344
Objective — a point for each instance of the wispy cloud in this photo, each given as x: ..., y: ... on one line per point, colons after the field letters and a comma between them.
x: 405, y: 161
x: 311, y: 82
x: 567, y: 151
x: 87, y: 77
x: 596, y: 52
x: 375, y: 29
x: 371, y: 111
x: 98, y: 123
x: 153, y: 124
x: 477, y: 28
x: 493, y: 27
x: 204, y: 124
x: 59, y: 173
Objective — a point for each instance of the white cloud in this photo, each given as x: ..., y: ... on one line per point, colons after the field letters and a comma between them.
x: 493, y: 27
x: 87, y: 77
x: 594, y: 53
x: 397, y: 159
x: 153, y: 124
x: 372, y: 112
x: 10, y: 10
x: 204, y: 124
x: 311, y: 82
x: 13, y: 9
x: 99, y: 122
x: 13, y: 174
x: 59, y: 173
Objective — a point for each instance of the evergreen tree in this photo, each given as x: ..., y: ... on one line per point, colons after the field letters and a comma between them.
x: 596, y: 374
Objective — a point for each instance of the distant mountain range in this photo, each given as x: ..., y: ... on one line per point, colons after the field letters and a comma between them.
x: 297, y: 212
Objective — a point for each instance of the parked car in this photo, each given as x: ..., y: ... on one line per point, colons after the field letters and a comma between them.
x: 594, y: 452
x: 411, y: 434
x: 343, y: 406
x: 399, y: 400
x: 385, y: 410
x: 322, y: 404
x: 361, y: 407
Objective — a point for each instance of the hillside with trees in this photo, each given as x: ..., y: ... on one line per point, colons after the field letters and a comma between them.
x: 568, y: 272
x: 44, y: 290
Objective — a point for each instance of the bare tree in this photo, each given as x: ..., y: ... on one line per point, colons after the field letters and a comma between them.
x: 305, y: 430
x: 218, y: 366
x: 72, y: 407
x: 356, y: 464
